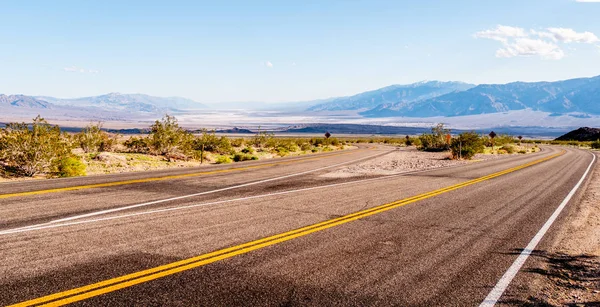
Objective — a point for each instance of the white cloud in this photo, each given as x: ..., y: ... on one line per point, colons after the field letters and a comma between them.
x: 268, y: 64
x: 566, y: 35
x: 502, y: 33
x: 518, y: 42
x: 531, y: 47
x: 293, y: 63
x: 80, y: 70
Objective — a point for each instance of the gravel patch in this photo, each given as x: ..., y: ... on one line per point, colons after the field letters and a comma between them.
x: 404, y: 159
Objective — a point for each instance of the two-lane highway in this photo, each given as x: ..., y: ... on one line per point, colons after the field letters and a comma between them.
x: 440, y: 237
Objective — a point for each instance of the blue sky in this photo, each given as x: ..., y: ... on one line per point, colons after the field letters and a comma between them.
x: 278, y: 51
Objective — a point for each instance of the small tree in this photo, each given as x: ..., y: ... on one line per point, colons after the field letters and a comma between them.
x: 436, y: 140
x: 34, y: 150
x: 166, y: 136
x: 466, y: 145
x: 93, y: 139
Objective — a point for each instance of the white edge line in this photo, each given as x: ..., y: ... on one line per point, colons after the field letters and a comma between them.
x: 494, y: 295
x: 76, y: 217
x: 47, y: 225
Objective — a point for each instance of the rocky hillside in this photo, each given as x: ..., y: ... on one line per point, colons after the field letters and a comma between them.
x: 582, y: 134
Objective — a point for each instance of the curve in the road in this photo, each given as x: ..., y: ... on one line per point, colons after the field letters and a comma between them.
x: 125, y: 281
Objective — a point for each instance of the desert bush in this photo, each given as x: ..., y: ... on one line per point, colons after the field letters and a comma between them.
x: 261, y: 139
x: 137, y: 145
x: 436, y: 140
x: 248, y: 150
x: 93, y: 139
x: 504, y: 139
x: 595, y: 145
x: 166, y: 137
x: 305, y: 147
x: 466, y: 145
x: 238, y: 142
x: 508, y: 148
x: 210, y: 142
x: 223, y: 160
x: 522, y: 151
x: 239, y: 157
x: 70, y: 167
x: 34, y: 150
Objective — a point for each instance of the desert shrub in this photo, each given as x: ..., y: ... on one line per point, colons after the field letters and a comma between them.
x: 317, y: 141
x: 314, y: 150
x: 208, y: 141
x: 238, y: 142
x: 248, y: 150
x: 305, y: 147
x: 137, y: 145
x: 508, y: 148
x: 281, y: 151
x: 504, y: 139
x: 261, y: 139
x: 288, y: 144
x: 595, y: 145
x: 93, y: 139
x: 436, y: 140
x: 70, y: 167
x: 466, y: 145
x: 223, y: 160
x: 327, y: 148
x: 30, y: 151
x: 166, y: 137
x: 239, y: 157
x: 522, y: 151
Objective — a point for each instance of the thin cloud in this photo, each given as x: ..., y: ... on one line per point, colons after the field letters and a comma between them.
x: 80, y: 70
x: 566, y: 35
x: 598, y: 1
x: 269, y: 64
x: 518, y: 42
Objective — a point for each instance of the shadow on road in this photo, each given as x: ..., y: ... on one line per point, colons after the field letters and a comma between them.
x: 567, y: 280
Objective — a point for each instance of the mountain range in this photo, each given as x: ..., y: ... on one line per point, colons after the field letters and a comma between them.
x: 393, y: 94
x: 580, y: 95
x: 113, y: 105
x: 577, y: 98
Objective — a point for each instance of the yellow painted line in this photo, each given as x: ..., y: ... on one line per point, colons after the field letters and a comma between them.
x: 170, y: 177
x: 114, y: 284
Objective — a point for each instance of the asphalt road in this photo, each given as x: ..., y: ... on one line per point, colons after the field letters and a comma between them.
x: 278, y: 233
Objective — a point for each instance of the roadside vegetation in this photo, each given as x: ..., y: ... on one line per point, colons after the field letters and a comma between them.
x: 41, y: 149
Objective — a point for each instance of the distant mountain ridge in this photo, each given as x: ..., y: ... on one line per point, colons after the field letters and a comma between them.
x: 402, y: 94
x: 560, y: 97
x: 129, y: 102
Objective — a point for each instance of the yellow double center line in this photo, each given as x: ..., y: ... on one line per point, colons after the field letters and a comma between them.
x: 129, y: 280
x: 171, y: 177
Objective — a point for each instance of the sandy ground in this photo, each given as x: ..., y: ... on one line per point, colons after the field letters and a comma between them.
x: 404, y: 159
x: 569, y: 273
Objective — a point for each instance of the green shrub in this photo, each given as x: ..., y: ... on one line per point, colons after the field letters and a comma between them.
x: 70, y: 167
x: 223, y: 160
x: 314, y: 150
x: 508, y: 148
x: 33, y: 149
x: 93, y: 139
x: 239, y: 157
x: 238, y: 142
x: 166, y: 137
x: 466, y: 145
x: 137, y: 145
x: 436, y: 140
x: 522, y: 151
x: 282, y: 151
x: 305, y: 147
x: 248, y: 150
x: 327, y: 148
x: 596, y: 144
